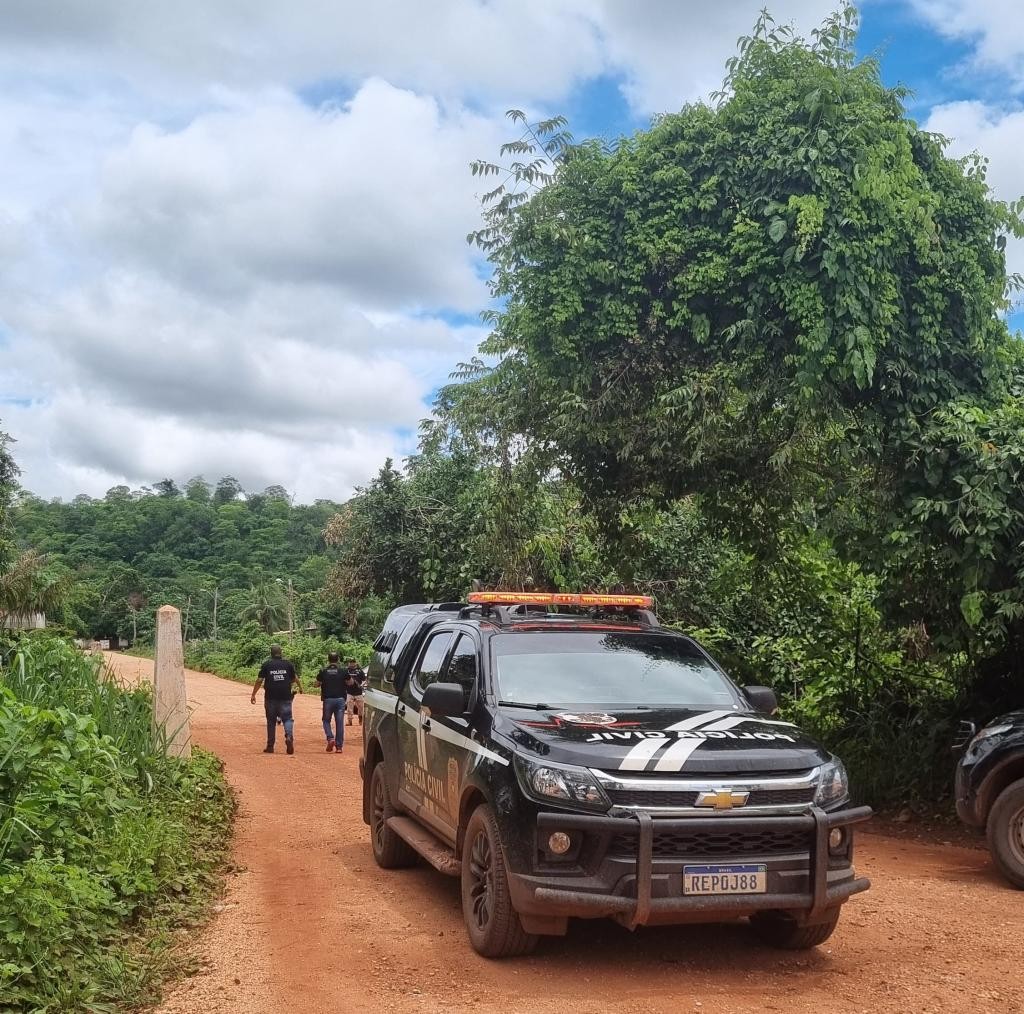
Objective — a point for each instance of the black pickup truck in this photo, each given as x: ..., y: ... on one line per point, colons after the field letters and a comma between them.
x: 990, y: 789
x: 566, y: 756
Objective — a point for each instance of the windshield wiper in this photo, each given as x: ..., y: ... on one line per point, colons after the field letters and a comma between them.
x: 531, y: 707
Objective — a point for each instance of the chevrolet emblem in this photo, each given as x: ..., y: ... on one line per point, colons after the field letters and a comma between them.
x: 723, y: 799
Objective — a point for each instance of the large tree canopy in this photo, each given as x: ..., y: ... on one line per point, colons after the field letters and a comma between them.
x: 790, y: 303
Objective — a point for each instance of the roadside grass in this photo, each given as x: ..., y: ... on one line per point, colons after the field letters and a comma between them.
x: 108, y: 848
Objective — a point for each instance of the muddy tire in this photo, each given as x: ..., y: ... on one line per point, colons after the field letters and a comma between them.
x: 1005, y: 832
x: 493, y: 925
x: 390, y: 851
x: 780, y: 930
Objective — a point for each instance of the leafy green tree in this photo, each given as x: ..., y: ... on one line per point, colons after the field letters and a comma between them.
x: 789, y: 303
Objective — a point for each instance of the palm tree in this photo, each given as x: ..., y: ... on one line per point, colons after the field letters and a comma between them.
x: 27, y: 584
x: 267, y: 606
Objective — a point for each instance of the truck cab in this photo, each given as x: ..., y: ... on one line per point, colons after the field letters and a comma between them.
x: 567, y: 757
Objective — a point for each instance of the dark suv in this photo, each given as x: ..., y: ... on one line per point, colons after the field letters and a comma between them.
x: 567, y: 756
x: 990, y: 789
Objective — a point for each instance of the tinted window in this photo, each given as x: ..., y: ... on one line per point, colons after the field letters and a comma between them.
x: 429, y: 667
x: 608, y: 670
x: 462, y: 666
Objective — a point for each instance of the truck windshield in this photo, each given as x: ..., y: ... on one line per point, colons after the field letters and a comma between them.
x: 607, y: 669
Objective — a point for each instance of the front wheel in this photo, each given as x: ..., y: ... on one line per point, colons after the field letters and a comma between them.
x: 494, y: 927
x: 389, y: 850
x: 1005, y: 831
x: 781, y: 930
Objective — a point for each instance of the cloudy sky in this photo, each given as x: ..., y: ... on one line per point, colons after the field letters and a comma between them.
x: 232, y: 234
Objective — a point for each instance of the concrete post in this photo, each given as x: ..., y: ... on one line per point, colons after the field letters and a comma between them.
x: 170, y: 705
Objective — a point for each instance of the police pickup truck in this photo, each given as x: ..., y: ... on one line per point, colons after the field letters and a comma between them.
x: 567, y: 756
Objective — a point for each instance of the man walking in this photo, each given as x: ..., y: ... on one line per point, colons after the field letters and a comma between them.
x: 335, y: 686
x: 277, y: 675
x: 357, y: 680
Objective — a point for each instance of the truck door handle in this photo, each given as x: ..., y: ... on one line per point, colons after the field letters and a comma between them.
x: 401, y: 711
x: 426, y: 725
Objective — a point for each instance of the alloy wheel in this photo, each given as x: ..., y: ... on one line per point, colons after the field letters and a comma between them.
x: 481, y: 869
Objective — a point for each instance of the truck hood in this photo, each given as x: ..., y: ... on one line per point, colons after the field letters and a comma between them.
x: 663, y: 742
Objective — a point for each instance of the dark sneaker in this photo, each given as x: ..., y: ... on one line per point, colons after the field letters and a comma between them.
x: 290, y: 745
x: 330, y: 746
x: 268, y: 749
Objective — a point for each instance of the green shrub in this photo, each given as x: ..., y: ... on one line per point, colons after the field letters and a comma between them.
x: 240, y: 658
x: 106, y: 844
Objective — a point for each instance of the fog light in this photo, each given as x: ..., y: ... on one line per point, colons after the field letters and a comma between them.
x: 559, y: 843
x: 836, y: 839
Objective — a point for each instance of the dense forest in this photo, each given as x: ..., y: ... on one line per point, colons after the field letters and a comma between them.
x: 754, y: 361
x: 223, y: 556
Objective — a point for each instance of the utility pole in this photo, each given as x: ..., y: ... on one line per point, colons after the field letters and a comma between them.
x: 216, y: 589
x: 291, y: 607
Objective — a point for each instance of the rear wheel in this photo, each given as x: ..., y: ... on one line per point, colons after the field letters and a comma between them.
x: 494, y: 927
x: 1005, y: 830
x: 781, y: 930
x: 390, y: 851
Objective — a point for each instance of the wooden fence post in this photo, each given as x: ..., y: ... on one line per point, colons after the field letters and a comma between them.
x: 170, y: 704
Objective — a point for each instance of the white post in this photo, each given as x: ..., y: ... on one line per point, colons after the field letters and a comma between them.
x: 170, y: 705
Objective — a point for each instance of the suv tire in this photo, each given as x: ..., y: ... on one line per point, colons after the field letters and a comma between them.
x: 783, y: 931
x: 493, y: 925
x: 1005, y: 831
x: 390, y: 851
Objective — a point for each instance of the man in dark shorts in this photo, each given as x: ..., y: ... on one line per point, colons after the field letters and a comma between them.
x: 276, y: 676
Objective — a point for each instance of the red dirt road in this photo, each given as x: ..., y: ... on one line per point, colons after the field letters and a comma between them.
x: 310, y: 924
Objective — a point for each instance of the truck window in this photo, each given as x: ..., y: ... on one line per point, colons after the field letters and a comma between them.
x: 462, y: 665
x: 432, y: 658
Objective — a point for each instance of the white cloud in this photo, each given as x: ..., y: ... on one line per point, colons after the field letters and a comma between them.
x: 672, y: 53
x: 997, y: 134
x: 373, y: 198
x: 533, y: 48
x: 265, y: 272
x: 993, y: 27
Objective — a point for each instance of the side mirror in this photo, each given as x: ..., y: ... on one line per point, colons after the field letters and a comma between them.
x: 444, y: 699
x: 762, y: 699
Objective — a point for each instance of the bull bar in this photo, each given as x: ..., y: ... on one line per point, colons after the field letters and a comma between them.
x: 636, y: 911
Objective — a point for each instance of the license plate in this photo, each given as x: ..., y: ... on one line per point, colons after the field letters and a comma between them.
x: 732, y: 878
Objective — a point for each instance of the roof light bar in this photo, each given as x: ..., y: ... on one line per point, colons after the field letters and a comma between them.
x: 514, y: 598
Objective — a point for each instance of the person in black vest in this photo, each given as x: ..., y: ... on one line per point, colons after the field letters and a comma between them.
x: 335, y: 686
x: 277, y: 676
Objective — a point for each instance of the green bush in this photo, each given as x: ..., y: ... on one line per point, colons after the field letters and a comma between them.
x: 106, y: 844
x: 240, y: 658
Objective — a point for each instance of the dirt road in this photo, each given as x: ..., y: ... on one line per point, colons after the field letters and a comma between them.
x: 310, y: 924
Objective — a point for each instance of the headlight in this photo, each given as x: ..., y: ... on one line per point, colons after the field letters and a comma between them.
x: 557, y: 784
x: 833, y: 785
x: 991, y: 730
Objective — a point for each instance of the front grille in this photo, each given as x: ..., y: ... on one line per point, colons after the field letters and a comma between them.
x: 759, y: 797
x: 715, y: 843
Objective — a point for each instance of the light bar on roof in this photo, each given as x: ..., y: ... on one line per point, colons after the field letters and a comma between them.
x: 515, y: 598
